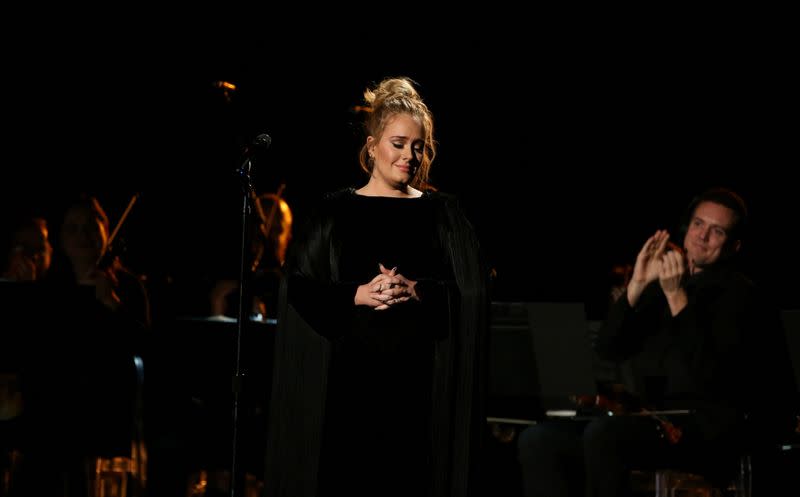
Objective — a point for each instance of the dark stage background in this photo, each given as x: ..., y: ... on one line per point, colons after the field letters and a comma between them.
x: 567, y: 156
x: 567, y: 146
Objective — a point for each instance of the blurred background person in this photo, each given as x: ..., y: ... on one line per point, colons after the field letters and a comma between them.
x: 29, y: 255
x: 86, y: 259
x: 80, y: 378
x: 270, y: 233
x: 30, y: 252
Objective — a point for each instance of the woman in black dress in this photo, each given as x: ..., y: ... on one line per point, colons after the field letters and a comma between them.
x: 380, y: 372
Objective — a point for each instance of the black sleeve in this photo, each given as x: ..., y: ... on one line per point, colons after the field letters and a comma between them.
x: 327, y: 306
x: 626, y: 328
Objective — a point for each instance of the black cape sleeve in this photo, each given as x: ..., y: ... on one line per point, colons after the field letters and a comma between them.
x: 302, y: 358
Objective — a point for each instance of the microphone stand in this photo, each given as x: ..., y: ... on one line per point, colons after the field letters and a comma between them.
x: 237, y: 482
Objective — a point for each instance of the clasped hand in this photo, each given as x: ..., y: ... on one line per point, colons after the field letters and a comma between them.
x: 653, y: 262
x: 386, y: 290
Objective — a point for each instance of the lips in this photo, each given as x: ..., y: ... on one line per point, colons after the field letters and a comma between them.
x: 699, y: 246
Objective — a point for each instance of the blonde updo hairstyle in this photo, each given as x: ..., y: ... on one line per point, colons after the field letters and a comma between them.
x: 391, y: 97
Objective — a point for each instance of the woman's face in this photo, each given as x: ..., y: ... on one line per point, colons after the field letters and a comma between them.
x: 397, y: 153
x: 83, y: 235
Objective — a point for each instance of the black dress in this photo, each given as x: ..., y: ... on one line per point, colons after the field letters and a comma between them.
x: 372, y: 402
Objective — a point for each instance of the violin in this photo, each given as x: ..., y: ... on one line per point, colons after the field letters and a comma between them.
x: 622, y: 403
x: 672, y: 433
x: 267, y: 220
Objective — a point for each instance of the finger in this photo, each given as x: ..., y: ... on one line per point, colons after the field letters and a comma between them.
x: 388, y: 272
x: 657, y: 236
x: 676, y: 261
x: 648, y: 245
x: 394, y: 289
x: 385, y: 278
x: 666, y: 265
x: 673, y: 247
x: 681, y: 260
x: 662, y: 241
x: 672, y: 264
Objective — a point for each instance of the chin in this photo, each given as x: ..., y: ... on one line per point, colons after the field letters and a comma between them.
x: 402, y: 183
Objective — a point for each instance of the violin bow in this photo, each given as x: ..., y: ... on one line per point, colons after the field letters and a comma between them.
x: 114, y: 232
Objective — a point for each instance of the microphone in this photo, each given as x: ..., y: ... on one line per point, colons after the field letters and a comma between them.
x: 260, y: 142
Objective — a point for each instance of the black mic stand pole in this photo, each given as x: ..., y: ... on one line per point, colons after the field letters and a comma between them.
x: 236, y: 482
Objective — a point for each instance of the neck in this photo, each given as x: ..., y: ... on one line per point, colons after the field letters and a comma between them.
x: 375, y: 188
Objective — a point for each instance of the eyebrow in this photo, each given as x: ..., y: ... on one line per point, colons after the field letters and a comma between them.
x: 713, y: 225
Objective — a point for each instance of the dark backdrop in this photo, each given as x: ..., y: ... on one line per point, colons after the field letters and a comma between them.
x: 566, y: 155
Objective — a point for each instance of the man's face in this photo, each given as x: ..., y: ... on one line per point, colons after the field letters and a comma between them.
x: 709, y: 229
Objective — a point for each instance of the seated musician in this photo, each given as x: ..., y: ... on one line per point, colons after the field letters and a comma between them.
x: 271, y: 231
x: 26, y: 259
x: 79, y: 375
x: 84, y: 240
x: 706, y: 340
x: 30, y: 252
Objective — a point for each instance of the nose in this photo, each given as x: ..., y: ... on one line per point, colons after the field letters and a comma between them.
x: 408, y: 154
